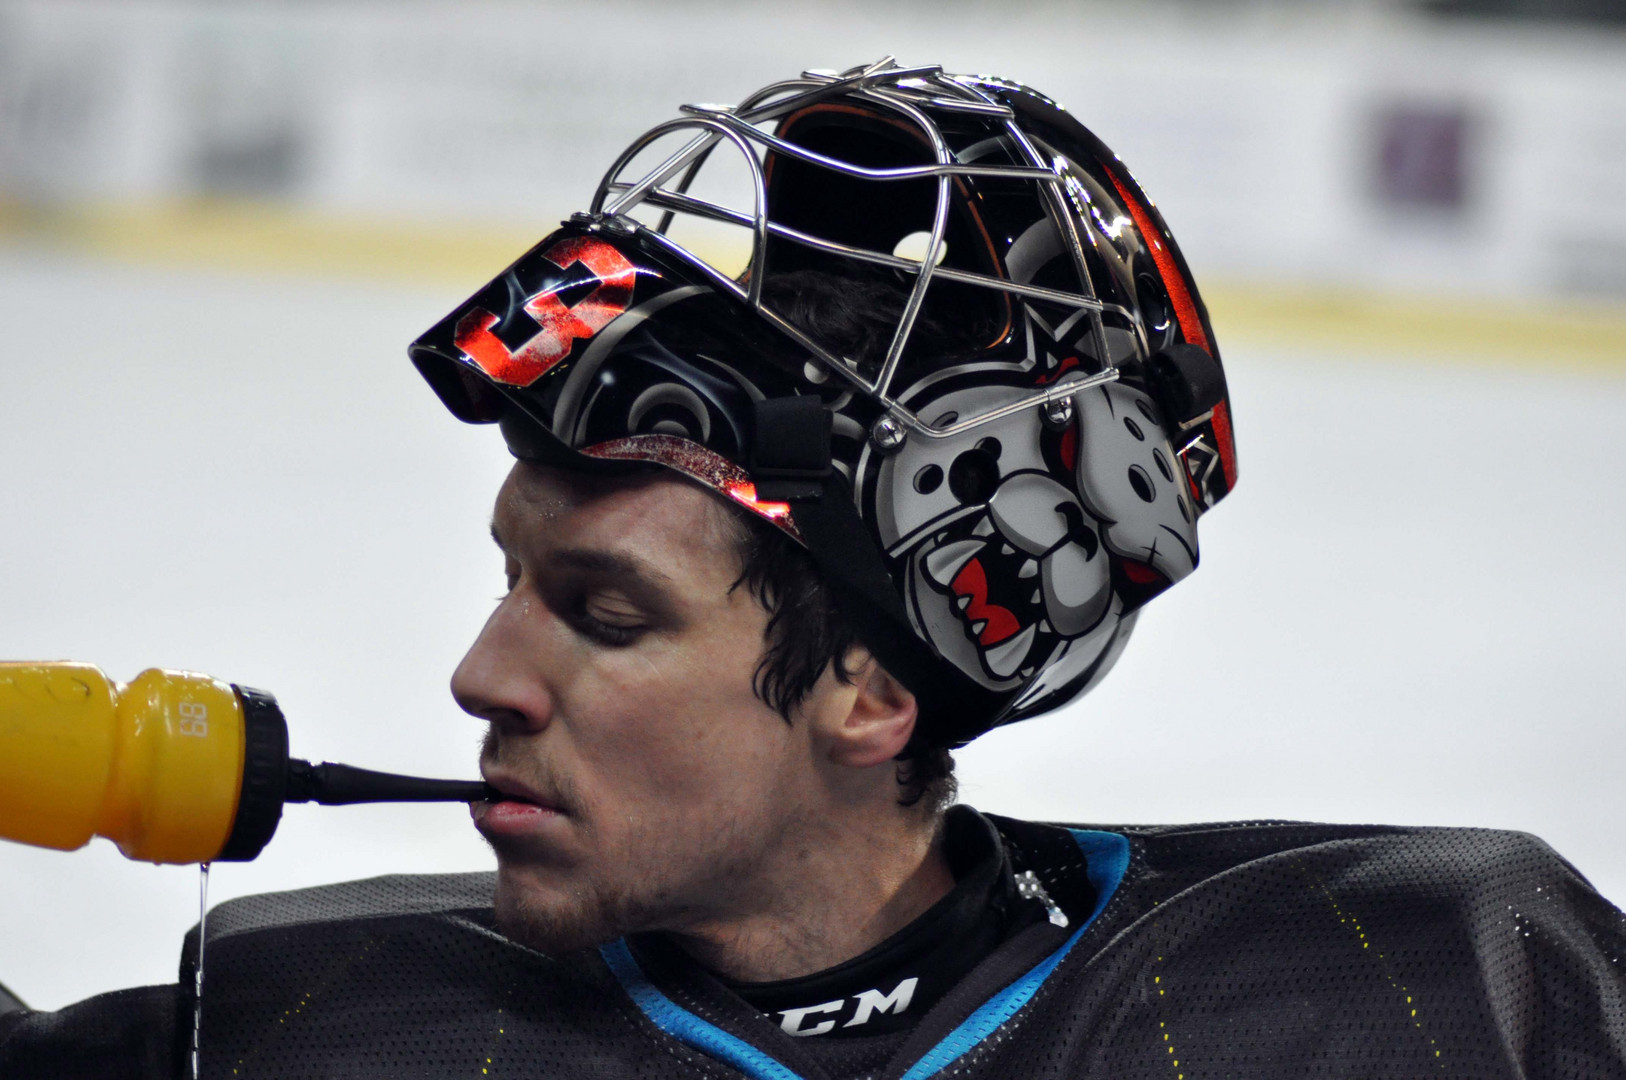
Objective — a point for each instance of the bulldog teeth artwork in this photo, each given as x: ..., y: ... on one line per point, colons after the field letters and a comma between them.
x: 1016, y: 532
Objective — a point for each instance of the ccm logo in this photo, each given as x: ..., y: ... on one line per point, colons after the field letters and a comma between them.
x: 864, y: 1006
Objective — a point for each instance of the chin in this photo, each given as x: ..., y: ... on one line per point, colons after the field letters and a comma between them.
x: 537, y: 909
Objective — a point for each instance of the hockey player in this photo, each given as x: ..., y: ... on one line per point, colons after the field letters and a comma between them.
x: 778, y: 539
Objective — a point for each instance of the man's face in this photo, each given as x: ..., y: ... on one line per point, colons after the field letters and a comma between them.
x: 616, y: 675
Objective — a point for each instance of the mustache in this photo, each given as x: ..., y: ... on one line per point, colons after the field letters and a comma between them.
x: 536, y: 776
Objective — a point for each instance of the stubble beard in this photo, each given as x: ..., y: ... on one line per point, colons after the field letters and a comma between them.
x: 656, y: 889
x: 582, y: 917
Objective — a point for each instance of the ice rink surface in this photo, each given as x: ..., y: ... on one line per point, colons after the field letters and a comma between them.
x: 1411, y: 611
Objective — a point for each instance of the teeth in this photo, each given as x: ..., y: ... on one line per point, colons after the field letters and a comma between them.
x: 962, y: 602
x: 944, y: 562
x: 1029, y: 568
x: 1004, y: 658
x: 1035, y: 598
x: 979, y: 626
x: 1006, y: 549
x: 1027, y: 672
x: 985, y: 527
x: 1044, y: 626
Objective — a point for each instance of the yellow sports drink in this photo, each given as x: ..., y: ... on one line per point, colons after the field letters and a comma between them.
x: 155, y: 765
x: 173, y: 767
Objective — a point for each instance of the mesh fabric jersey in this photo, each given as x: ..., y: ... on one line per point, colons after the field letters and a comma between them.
x: 1238, y: 950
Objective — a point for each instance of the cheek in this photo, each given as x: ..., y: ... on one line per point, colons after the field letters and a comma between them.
x: 677, y: 722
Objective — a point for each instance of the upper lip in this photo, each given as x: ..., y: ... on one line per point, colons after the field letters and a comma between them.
x: 512, y: 788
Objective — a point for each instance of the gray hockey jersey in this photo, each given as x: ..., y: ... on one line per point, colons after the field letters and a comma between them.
x: 1256, y: 950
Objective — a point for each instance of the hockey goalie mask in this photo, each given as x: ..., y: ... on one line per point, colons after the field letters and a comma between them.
x: 953, y: 351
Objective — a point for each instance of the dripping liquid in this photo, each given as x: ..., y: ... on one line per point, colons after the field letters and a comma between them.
x: 197, y: 985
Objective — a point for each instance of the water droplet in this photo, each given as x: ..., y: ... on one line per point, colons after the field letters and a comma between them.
x: 197, y: 983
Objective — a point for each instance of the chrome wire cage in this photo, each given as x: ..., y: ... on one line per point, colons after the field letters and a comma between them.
x: 914, y: 94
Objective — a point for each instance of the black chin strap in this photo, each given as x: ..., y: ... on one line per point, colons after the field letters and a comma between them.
x: 790, y: 462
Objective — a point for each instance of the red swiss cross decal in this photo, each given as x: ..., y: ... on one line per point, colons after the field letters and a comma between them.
x: 559, y: 326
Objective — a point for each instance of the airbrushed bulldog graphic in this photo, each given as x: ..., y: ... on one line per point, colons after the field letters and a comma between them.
x: 1027, y: 538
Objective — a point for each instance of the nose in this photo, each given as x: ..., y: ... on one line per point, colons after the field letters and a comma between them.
x: 501, y: 677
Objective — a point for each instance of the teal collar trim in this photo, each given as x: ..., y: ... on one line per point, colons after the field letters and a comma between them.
x: 1107, y: 860
x: 684, y: 1025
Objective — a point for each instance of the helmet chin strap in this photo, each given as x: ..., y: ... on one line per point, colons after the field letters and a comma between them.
x: 790, y: 462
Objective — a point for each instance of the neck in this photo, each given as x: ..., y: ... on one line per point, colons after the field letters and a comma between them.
x: 842, y: 888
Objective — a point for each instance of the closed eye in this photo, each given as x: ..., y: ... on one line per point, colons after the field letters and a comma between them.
x: 605, y: 621
x: 604, y: 633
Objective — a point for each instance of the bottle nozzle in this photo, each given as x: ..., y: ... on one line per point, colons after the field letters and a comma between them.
x: 272, y: 779
x: 330, y: 784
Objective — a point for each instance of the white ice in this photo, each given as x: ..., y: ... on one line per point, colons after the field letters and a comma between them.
x: 1410, y: 611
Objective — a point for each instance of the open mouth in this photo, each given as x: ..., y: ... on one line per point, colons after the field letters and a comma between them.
x: 519, y: 800
x: 510, y: 817
x: 996, y: 591
x: 513, y: 807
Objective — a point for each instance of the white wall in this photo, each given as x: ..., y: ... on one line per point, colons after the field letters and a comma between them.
x: 1257, y: 126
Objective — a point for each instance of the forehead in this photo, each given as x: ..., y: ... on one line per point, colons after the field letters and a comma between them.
x: 660, y: 516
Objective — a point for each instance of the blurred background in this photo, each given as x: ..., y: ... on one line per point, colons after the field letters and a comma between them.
x: 221, y: 222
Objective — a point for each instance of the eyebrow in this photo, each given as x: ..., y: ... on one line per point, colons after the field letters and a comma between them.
x: 616, y: 565
x: 628, y: 568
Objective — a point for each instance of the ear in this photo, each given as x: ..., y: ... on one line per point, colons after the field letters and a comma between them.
x: 878, y: 722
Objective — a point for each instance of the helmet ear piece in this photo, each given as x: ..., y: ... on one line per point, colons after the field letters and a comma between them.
x: 1187, y: 381
x: 790, y: 448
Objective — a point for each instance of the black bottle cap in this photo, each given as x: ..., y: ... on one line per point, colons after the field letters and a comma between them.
x: 265, y: 775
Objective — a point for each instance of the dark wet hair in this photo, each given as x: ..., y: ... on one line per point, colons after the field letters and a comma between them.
x: 856, y: 316
x: 806, y: 632
x: 806, y: 635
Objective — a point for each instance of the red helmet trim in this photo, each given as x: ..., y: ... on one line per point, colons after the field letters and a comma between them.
x: 1227, y: 446
x: 1185, y: 309
x: 706, y: 467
